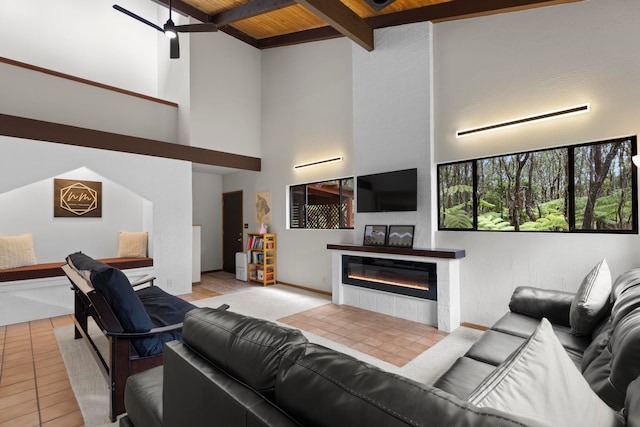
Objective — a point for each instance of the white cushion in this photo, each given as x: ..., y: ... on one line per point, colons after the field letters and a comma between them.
x: 591, y: 301
x: 539, y: 381
x: 16, y: 251
x: 132, y: 244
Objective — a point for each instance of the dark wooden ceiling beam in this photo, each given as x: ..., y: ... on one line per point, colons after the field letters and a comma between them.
x: 451, y: 10
x: 38, y: 130
x: 249, y: 10
x: 343, y: 19
x: 316, y: 34
x: 234, y: 32
x: 184, y: 8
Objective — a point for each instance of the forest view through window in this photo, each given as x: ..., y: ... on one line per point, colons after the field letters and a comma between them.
x: 582, y: 188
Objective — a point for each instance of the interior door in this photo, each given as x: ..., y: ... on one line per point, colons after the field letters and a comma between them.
x: 232, y: 230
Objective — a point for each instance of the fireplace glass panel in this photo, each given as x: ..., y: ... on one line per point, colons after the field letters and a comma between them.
x: 416, y: 279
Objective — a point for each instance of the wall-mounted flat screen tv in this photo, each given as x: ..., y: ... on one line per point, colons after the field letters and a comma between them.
x: 395, y: 191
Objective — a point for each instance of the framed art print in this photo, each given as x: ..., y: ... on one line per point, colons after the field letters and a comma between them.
x: 401, y: 236
x: 375, y: 235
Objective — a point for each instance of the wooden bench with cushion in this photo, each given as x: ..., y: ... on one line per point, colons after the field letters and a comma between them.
x: 53, y: 269
x: 136, y: 323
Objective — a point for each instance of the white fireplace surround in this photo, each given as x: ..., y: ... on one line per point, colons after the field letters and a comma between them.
x: 443, y: 313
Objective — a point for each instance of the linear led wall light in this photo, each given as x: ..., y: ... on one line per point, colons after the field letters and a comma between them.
x: 318, y: 162
x: 578, y: 109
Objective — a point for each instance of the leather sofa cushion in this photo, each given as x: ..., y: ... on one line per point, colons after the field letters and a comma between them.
x: 627, y: 280
x: 610, y: 373
x: 199, y: 393
x: 538, y: 303
x: 523, y: 326
x: 599, y: 343
x: 494, y: 347
x: 320, y: 387
x: 632, y: 404
x: 464, y: 376
x: 625, y: 304
x: 247, y: 348
x: 143, y: 398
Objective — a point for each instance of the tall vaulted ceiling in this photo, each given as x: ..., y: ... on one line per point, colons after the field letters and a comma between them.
x: 272, y: 23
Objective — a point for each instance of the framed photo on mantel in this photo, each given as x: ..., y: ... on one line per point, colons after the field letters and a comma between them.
x: 401, y: 236
x: 375, y: 235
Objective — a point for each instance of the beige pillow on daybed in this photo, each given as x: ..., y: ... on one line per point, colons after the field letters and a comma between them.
x: 16, y: 251
x: 132, y: 244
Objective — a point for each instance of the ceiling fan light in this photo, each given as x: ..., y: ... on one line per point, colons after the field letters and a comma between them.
x: 170, y: 29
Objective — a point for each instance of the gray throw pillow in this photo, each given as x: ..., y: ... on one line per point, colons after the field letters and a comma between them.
x: 591, y: 301
x: 540, y: 382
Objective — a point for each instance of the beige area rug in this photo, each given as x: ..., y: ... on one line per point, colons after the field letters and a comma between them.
x: 272, y: 303
x: 88, y: 383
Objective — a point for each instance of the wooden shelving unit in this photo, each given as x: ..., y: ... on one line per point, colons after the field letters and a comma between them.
x: 261, y: 258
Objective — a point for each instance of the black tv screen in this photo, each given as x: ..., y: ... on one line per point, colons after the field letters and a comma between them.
x: 395, y: 191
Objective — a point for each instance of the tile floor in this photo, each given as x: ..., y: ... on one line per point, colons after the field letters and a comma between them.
x: 384, y: 337
x: 35, y: 388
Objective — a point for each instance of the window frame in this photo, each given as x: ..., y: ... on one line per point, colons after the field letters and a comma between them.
x: 306, y: 197
x: 571, y: 196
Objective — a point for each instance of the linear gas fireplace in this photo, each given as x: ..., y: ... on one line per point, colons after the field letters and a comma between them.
x: 415, y: 279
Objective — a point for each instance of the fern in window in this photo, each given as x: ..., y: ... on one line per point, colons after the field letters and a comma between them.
x: 589, y: 187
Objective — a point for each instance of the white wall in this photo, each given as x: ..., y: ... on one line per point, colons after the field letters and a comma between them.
x: 29, y: 209
x: 225, y: 101
x: 207, y: 211
x: 499, y: 67
x: 85, y: 47
x: 32, y: 161
x: 392, y: 117
x: 88, y: 39
x: 41, y: 96
x: 306, y: 115
x: 484, y: 69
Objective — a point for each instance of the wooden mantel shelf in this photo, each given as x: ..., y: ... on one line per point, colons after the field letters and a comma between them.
x: 432, y: 252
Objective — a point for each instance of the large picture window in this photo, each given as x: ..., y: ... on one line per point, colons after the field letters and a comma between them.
x: 322, y: 205
x: 582, y: 188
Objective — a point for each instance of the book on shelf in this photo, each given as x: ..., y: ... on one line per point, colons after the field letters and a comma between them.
x: 257, y: 258
x: 256, y: 242
x: 265, y: 274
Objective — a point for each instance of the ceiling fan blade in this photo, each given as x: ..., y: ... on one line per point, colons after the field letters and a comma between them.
x: 197, y: 28
x: 137, y: 17
x: 174, y: 48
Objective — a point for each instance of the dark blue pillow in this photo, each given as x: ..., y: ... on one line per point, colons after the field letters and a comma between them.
x: 117, y: 290
x: 124, y: 302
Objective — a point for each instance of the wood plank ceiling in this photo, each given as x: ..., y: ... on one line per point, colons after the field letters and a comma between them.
x: 272, y: 23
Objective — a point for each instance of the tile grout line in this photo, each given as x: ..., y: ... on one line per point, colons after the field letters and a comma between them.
x: 35, y: 375
x: 4, y: 344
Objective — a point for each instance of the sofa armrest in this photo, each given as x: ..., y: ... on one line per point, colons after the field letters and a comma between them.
x: 539, y: 303
x: 632, y: 404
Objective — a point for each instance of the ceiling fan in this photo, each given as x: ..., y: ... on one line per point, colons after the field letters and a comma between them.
x: 170, y: 29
